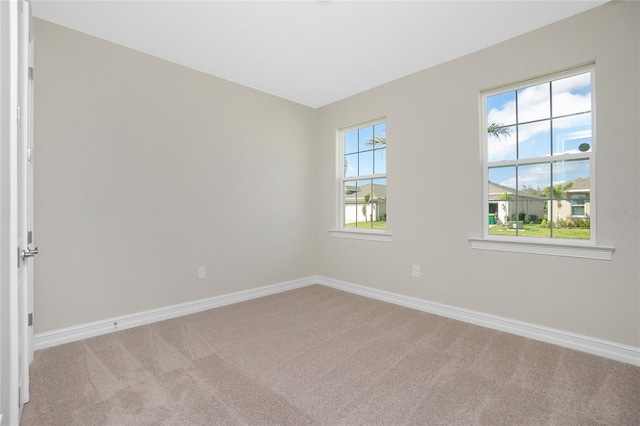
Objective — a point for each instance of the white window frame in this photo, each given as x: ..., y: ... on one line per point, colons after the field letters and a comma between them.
x: 340, y: 230
x: 546, y: 246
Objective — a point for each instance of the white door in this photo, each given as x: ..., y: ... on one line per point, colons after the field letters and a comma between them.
x: 16, y: 203
x: 25, y: 201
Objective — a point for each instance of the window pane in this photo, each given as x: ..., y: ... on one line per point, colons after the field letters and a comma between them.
x: 534, y: 178
x: 534, y: 139
x: 534, y: 103
x: 351, y: 165
x: 570, y: 179
x: 364, y: 204
x: 503, y: 178
x: 379, y: 203
x: 365, y: 137
x: 501, y: 190
x: 351, y: 142
x: 572, y: 134
x: 501, y: 109
x: 350, y: 195
x: 571, y: 95
x: 502, y: 147
x: 365, y: 164
x: 380, y: 161
x: 533, y: 200
x: 571, y: 174
x: 380, y: 133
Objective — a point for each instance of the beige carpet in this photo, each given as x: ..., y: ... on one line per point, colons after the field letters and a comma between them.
x: 322, y: 356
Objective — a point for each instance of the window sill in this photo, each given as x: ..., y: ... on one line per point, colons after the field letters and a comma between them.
x: 361, y: 234
x: 550, y: 249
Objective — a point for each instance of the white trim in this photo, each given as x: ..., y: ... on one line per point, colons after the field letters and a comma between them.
x: 544, y: 78
x: 97, y: 328
x: 581, y: 251
x: 603, y: 348
x: 361, y: 235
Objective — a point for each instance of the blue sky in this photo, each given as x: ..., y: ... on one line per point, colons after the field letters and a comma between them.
x: 552, y: 119
x: 363, y: 159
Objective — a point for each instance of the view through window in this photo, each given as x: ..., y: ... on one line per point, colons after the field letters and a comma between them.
x: 539, y: 156
x: 364, y: 178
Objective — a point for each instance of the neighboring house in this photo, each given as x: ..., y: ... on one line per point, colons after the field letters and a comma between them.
x: 575, y: 204
x: 506, y: 207
x: 578, y: 201
x: 376, y: 208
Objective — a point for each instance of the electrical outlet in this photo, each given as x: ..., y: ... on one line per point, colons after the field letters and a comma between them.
x: 416, y: 271
x: 202, y: 272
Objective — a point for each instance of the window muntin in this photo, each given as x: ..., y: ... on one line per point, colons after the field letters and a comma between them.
x: 363, y: 180
x: 538, y: 158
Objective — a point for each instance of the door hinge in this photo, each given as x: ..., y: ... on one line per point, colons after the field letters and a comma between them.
x: 31, y: 73
x: 19, y: 116
x: 29, y: 154
x: 19, y: 257
x: 30, y: 319
x: 29, y: 237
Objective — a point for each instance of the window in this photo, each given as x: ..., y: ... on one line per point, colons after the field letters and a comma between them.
x: 538, y: 159
x: 578, y: 202
x: 362, y: 182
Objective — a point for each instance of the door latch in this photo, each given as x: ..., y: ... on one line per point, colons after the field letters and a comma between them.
x: 29, y: 252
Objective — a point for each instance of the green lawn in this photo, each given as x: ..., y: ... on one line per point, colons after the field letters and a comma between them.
x: 542, y: 231
x: 367, y: 225
x: 527, y: 231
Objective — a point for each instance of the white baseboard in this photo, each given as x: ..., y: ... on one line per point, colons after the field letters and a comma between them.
x: 603, y: 348
x: 84, y: 331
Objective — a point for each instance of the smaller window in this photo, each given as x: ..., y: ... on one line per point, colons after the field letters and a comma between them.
x: 363, y: 177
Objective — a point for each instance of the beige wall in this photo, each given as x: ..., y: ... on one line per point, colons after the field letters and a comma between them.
x: 146, y: 170
x: 432, y: 130
x: 139, y: 159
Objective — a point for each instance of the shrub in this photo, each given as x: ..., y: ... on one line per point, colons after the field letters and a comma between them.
x: 582, y: 223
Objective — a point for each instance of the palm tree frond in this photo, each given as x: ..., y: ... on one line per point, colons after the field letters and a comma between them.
x: 378, y: 140
x: 498, y: 130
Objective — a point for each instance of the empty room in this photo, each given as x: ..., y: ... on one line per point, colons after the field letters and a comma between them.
x: 320, y: 212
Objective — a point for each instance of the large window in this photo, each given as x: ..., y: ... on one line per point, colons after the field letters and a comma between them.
x: 363, y: 177
x: 538, y: 158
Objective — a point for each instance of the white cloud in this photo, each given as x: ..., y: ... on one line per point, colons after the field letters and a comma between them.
x: 533, y: 104
x: 569, y: 103
x: 505, y: 115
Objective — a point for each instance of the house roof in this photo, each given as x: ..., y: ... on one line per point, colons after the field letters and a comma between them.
x: 355, y: 194
x: 580, y: 185
x: 496, y: 190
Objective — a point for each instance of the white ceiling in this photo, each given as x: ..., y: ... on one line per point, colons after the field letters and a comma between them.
x: 308, y: 51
